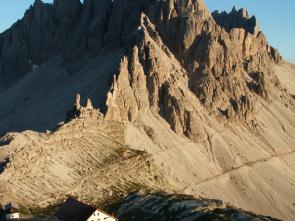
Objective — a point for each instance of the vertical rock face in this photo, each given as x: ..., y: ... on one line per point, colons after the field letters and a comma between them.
x: 65, y: 28
x: 179, y: 22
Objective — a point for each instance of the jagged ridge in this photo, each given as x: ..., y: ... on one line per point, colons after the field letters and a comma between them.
x: 204, y: 101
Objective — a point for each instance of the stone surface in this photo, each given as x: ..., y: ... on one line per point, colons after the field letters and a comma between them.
x: 178, y: 207
x: 236, y: 19
x: 170, y: 96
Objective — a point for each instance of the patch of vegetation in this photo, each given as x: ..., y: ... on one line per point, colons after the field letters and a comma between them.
x: 49, y: 210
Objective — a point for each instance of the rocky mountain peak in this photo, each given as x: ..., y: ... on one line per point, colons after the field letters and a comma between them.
x: 189, y: 100
x: 216, y: 51
x: 223, y: 62
x: 236, y: 19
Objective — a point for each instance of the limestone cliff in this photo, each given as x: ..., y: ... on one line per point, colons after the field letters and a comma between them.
x: 167, y: 96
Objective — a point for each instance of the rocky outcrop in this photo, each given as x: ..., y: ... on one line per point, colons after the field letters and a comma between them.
x: 178, y: 207
x: 236, y: 19
x: 275, y: 55
x: 80, y: 111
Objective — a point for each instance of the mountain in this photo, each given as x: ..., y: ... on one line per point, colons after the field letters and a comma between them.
x: 103, y: 98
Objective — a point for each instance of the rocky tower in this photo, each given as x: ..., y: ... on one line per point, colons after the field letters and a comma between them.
x: 188, y: 97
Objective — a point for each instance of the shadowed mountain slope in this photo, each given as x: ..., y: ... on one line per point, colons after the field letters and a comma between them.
x: 162, y: 206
